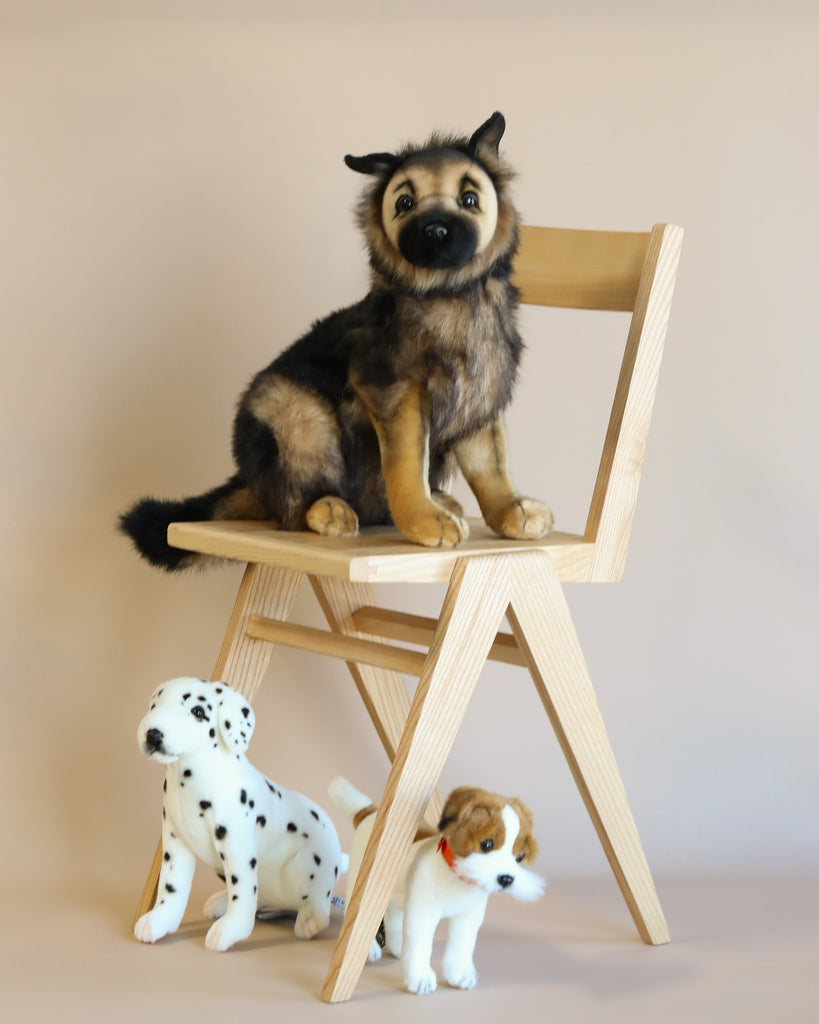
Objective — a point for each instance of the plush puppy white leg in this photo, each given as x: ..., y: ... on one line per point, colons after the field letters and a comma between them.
x: 419, y: 931
x: 237, y: 853
x: 175, y: 878
x: 459, y: 969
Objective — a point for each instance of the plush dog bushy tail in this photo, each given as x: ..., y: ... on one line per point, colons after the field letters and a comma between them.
x: 147, y: 522
x: 352, y: 803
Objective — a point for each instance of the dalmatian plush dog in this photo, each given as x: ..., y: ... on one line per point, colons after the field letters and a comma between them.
x: 273, y: 848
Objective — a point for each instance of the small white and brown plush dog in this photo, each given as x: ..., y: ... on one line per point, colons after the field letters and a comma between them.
x: 482, y: 846
x: 272, y: 847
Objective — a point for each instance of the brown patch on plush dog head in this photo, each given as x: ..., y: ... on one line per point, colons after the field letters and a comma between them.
x: 438, y: 217
x: 472, y: 819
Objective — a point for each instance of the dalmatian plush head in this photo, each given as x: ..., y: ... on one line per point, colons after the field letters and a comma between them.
x: 191, y: 716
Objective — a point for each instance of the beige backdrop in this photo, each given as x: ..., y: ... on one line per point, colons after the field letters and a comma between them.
x: 175, y: 210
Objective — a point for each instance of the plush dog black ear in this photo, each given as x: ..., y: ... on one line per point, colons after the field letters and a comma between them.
x: 373, y: 163
x: 487, y: 137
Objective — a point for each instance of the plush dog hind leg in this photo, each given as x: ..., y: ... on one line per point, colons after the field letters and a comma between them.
x: 483, y: 461
x: 404, y: 443
x: 175, y: 878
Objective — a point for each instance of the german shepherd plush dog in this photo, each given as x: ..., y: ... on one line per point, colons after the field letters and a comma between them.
x: 364, y: 419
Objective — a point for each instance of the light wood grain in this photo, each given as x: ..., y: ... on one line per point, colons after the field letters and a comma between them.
x: 334, y: 645
x: 383, y: 692
x: 418, y: 629
x: 615, y: 494
x: 544, y: 630
x: 579, y: 269
x: 473, y: 608
x: 377, y: 554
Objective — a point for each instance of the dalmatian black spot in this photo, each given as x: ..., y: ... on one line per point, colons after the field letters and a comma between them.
x: 246, y: 711
x: 187, y: 773
x: 227, y: 725
x: 292, y: 826
x: 186, y: 696
x: 315, y: 815
x: 317, y: 859
x: 167, y: 856
x: 205, y: 804
x: 243, y: 796
x: 312, y: 877
x: 212, y: 733
x: 252, y: 804
x: 253, y: 863
x: 169, y: 887
x: 220, y: 832
x: 261, y: 821
x: 219, y: 689
x: 335, y: 869
x: 234, y: 880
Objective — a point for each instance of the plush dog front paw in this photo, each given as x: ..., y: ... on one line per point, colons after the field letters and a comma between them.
x: 332, y: 517
x: 523, y: 519
x: 422, y: 983
x: 154, y: 925
x: 460, y: 975
x: 227, y: 931
x: 434, y: 527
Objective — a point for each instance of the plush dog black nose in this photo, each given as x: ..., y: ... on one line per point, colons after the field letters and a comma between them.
x: 504, y: 881
x: 436, y: 232
x: 153, y: 740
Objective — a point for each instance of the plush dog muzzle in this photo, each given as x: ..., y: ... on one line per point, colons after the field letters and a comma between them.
x: 438, y: 239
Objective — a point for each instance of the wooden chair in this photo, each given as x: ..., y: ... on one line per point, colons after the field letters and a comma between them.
x: 488, y: 578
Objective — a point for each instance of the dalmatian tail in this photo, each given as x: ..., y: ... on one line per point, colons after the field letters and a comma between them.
x: 352, y: 803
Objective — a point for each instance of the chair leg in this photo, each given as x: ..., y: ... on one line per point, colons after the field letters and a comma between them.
x: 384, y: 692
x: 542, y: 624
x: 242, y: 661
x: 477, y: 598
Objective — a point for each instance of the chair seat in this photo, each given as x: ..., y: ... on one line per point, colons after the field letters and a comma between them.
x: 378, y: 554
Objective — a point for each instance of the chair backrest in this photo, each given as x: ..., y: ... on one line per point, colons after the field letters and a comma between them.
x: 618, y: 271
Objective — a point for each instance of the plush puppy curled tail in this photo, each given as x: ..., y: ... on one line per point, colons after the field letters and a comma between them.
x: 147, y: 522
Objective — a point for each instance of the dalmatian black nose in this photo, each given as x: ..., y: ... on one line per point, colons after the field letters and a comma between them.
x: 153, y: 740
x: 504, y: 881
x: 436, y: 232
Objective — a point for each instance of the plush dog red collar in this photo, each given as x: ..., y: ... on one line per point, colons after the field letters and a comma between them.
x: 449, y: 857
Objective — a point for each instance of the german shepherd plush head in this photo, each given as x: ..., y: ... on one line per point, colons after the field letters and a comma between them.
x: 439, y: 215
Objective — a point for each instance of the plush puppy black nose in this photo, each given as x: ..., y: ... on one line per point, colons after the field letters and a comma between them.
x: 504, y: 881
x: 436, y: 232
x: 153, y: 740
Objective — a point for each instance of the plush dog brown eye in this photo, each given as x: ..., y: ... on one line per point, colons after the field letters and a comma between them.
x: 520, y: 857
x: 469, y: 200
x: 487, y: 845
x: 404, y: 203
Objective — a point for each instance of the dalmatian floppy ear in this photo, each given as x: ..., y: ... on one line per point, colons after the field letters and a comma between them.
x: 235, y: 718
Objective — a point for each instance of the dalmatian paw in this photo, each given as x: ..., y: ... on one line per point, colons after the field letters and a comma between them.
x: 215, y: 906
x: 154, y: 925
x: 227, y: 931
x: 422, y: 983
x: 309, y: 922
x: 460, y: 975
